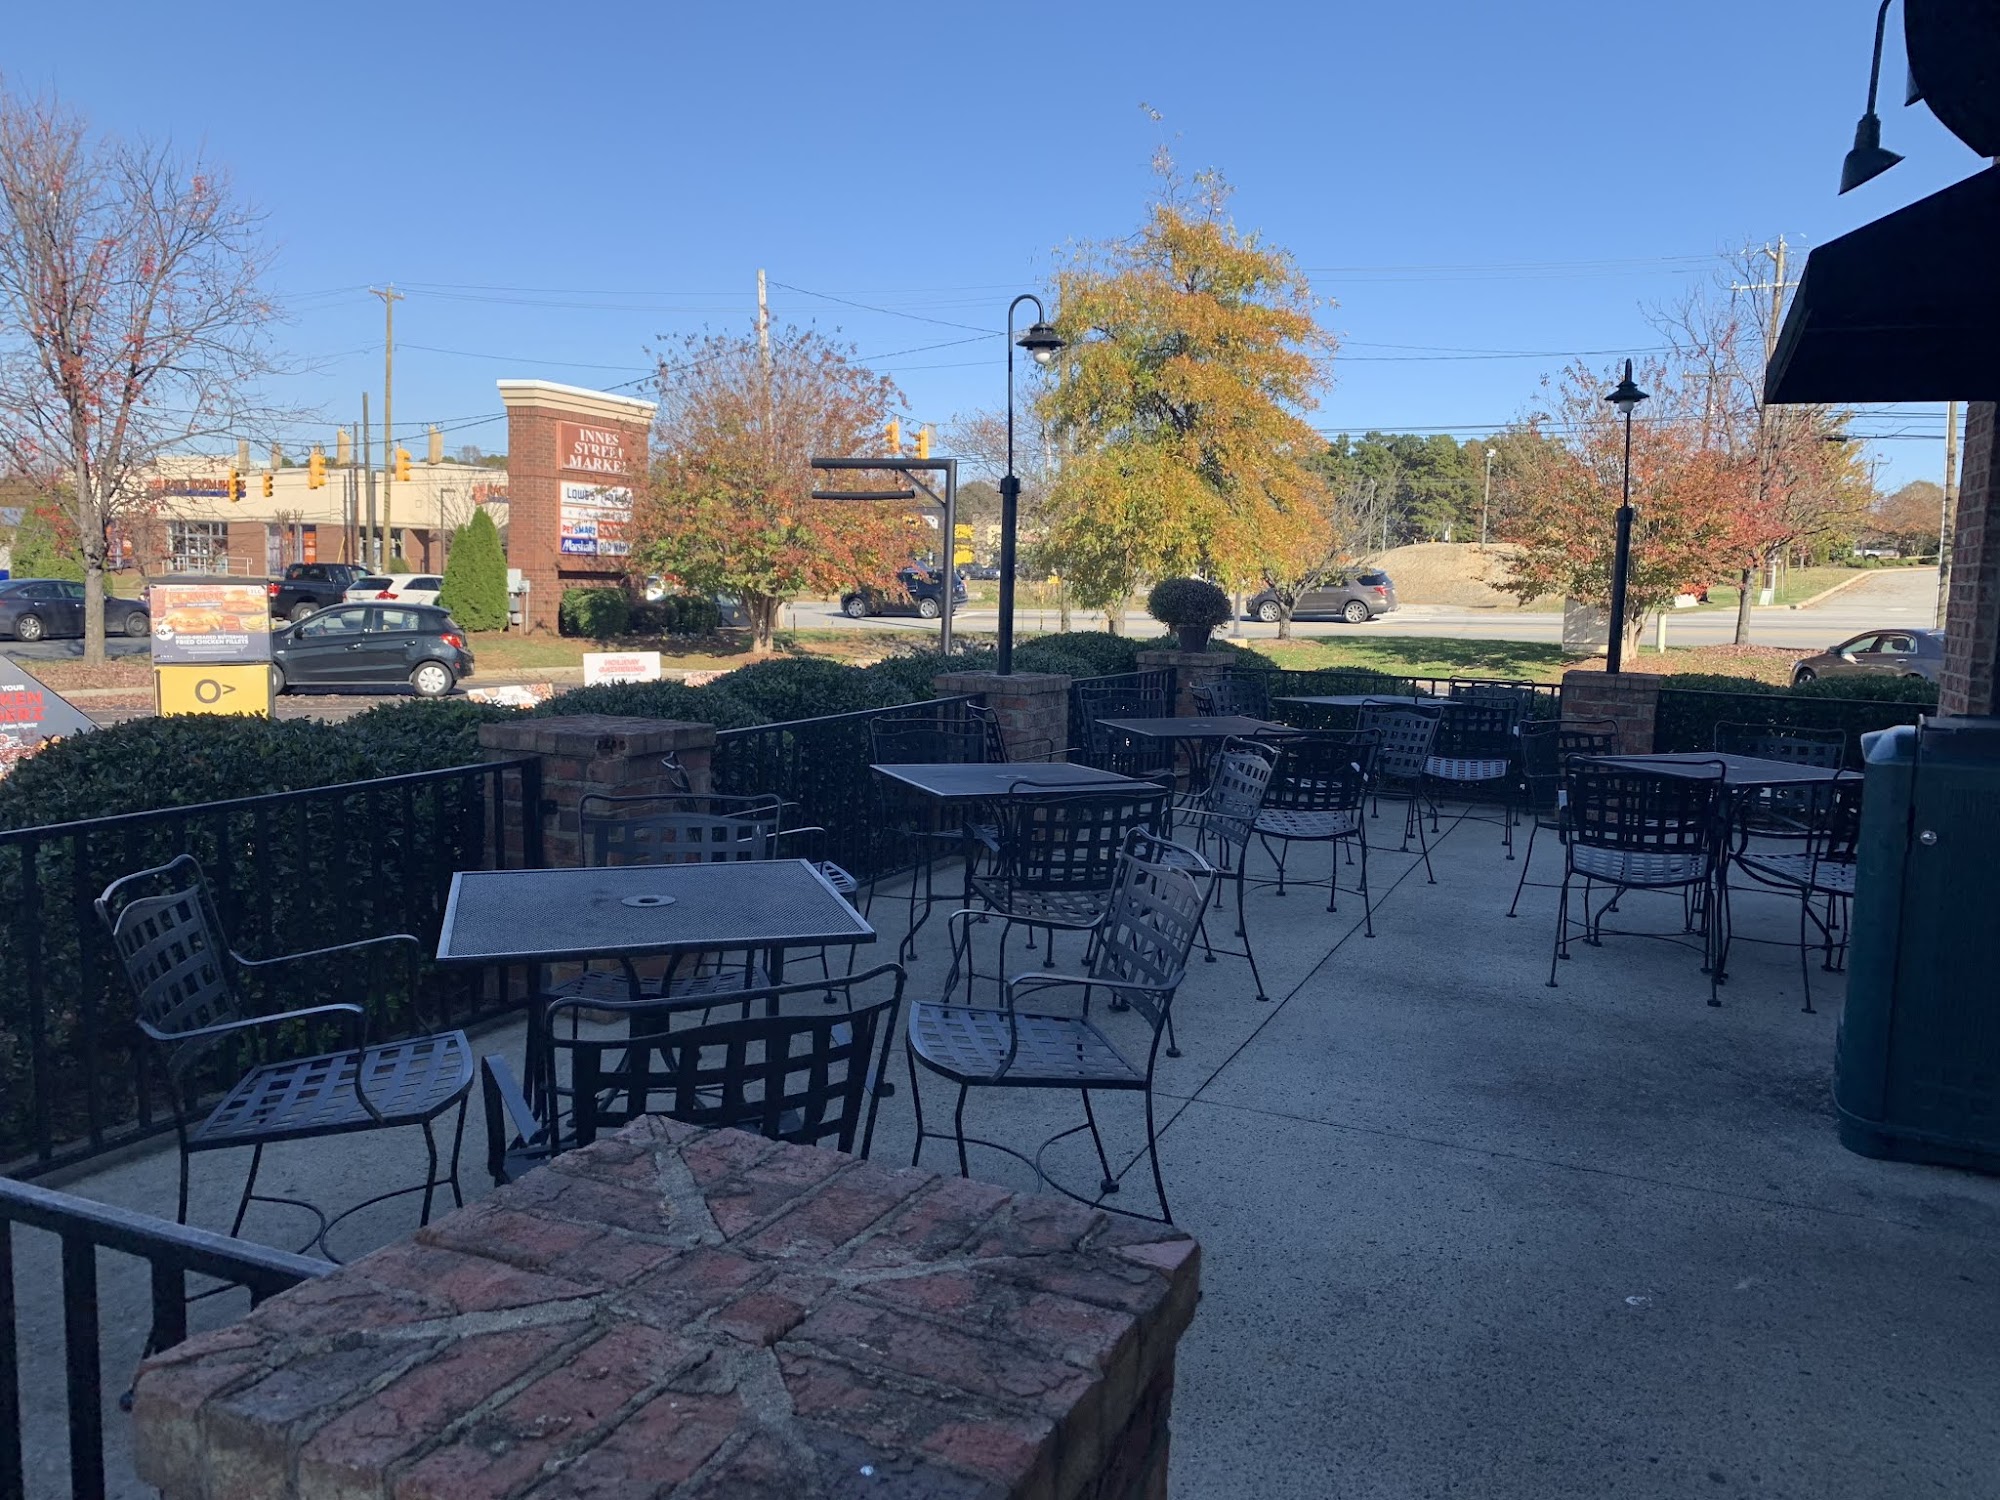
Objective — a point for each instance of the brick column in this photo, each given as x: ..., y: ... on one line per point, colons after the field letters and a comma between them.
x: 677, y: 1312
x: 590, y: 445
x: 597, y: 753
x: 1632, y: 698
x: 1033, y: 708
x: 1192, y: 669
x: 1972, y: 612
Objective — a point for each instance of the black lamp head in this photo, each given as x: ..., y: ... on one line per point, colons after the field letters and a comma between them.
x: 1626, y: 395
x: 1867, y: 160
x: 1041, y: 340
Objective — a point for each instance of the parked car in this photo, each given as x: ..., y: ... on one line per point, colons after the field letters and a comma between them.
x: 983, y: 572
x: 309, y: 587
x: 1877, y: 653
x: 399, y: 588
x: 1356, y: 598
x: 35, y: 609
x: 372, y: 645
x: 920, y: 593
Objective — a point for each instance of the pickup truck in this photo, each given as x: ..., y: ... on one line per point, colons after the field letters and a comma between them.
x: 308, y: 588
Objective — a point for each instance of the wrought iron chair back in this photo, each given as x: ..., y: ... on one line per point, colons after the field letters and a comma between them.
x: 1066, y: 840
x: 1149, y: 930
x: 175, y: 955
x: 1479, y: 728
x: 1793, y: 744
x: 1519, y: 696
x: 1641, y: 812
x: 931, y: 742
x: 991, y: 738
x: 1110, y: 749
x: 1239, y: 778
x: 1234, y: 693
x: 1322, y: 771
x: 1405, y: 736
x: 678, y: 829
x: 1546, y: 747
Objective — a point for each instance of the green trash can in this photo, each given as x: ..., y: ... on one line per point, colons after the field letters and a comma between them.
x: 1917, y: 1064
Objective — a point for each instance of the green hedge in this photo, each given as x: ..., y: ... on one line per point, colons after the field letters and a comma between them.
x: 599, y: 613
x: 1696, y: 703
x: 655, y: 700
x: 677, y: 614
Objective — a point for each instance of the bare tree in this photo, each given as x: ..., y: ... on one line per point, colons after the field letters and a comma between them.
x: 131, y: 321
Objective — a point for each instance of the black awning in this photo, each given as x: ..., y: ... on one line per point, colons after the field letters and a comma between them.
x: 1904, y: 309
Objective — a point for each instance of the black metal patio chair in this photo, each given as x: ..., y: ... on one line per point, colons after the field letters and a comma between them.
x: 1318, y: 795
x: 1632, y: 829
x: 191, y: 1008
x: 1220, y: 819
x: 814, y: 1079
x: 1515, y: 694
x: 1057, y: 860
x: 1404, y: 737
x: 1822, y: 870
x: 1245, y: 693
x: 907, y: 833
x: 1475, y: 754
x: 1779, y: 812
x: 1140, y: 955
x: 1546, y: 747
x: 1142, y: 757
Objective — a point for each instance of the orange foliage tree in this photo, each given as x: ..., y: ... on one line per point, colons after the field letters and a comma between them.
x: 727, y: 508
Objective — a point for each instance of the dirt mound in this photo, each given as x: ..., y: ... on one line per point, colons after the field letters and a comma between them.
x: 1462, y: 574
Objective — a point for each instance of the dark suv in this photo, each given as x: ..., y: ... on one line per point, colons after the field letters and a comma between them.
x: 1356, y: 598
x: 308, y: 588
x: 919, y: 593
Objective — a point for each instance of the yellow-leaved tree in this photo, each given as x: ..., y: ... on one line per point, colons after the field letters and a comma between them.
x: 1177, y: 405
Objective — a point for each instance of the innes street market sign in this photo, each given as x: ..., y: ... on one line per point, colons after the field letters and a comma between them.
x: 584, y: 448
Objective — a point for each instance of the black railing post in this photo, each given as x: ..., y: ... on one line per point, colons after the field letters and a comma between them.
x: 81, y: 1365
x: 12, y: 1481
x: 532, y: 856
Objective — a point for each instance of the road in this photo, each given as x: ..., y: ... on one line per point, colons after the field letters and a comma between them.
x: 1894, y: 596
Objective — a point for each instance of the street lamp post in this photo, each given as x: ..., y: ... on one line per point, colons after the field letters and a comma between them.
x: 1486, y: 503
x: 1041, y: 341
x: 1626, y: 397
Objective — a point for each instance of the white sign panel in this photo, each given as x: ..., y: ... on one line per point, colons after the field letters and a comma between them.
x: 620, y: 666
x: 595, y: 519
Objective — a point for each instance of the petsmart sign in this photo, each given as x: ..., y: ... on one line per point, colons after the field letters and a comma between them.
x: 620, y: 666
x: 595, y: 520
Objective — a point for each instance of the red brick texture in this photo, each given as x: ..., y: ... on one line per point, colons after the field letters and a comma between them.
x: 678, y: 1312
x: 586, y: 754
x: 1967, y: 684
x: 1632, y: 698
x: 1192, y: 669
x: 535, y: 474
x: 1033, y: 708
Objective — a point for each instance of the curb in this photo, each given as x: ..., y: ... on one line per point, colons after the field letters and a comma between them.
x: 1860, y: 575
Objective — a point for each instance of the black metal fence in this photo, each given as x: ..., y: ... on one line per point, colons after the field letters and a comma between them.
x: 172, y: 1254
x: 1686, y: 719
x: 821, y: 767
x: 1159, y: 684
x: 291, y: 871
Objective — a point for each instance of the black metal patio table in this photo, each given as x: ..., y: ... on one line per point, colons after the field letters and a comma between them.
x: 963, y: 785
x: 1202, y: 734
x: 1362, y: 700
x: 1743, y: 776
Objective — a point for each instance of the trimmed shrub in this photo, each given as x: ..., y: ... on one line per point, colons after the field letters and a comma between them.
x: 475, y: 576
x: 677, y: 614
x: 1081, y: 653
x: 421, y: 734
x: 1871, y: 690
x: 1188, y: 604
x: 599, y: 613
x: 807, y: 687
x: 1716, y: 682
x: 654, y: 700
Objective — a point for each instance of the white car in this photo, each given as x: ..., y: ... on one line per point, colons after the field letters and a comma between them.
x: 404, y: 588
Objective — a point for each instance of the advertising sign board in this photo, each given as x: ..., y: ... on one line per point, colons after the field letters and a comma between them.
x: 202, y: 624
x: 595, y: 519
x: 620, y: 666
x: 229, y: 688
x: 31, y: 714
x: 590, y: 448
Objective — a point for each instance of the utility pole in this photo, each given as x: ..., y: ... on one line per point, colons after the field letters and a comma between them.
x: 390, y: 297
x: 1948, y: 511
x: 1486, y: 502
x: 764, y: 358
x: 371, y: 544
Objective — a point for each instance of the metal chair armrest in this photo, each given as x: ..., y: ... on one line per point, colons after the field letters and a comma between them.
x: 1044, y: 980
x: 355, y: 947
x: 224, y: 1028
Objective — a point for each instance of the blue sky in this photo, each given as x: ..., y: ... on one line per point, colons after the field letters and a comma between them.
x: 556, y: 188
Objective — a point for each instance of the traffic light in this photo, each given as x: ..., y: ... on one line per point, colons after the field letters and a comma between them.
x: 924, y: 441
x: 233, y: 487
x: 403, y: 465
x: 893, y: 433
x: 316, y: 470
x: 269, y: 486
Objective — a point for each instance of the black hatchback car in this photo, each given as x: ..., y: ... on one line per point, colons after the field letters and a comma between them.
x: 1878, y: 653
x: 1356, y: 598
x: 35, y: 609
x: 372, y: 646
x: 918, y: 593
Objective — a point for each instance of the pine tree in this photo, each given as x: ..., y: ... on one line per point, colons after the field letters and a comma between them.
x: 475, y: 576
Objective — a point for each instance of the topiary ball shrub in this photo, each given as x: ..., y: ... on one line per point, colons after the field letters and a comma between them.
x: 654, y: 700
x: 599, y: 613
x: 1188, y: 604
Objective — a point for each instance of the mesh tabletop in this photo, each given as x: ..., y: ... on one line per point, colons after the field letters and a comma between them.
x: 528, y: 916
x: 1737, y: 770
x: 1192, y: 727
x: 994, y: 781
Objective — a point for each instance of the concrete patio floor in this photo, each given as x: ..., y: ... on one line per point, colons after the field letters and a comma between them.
x: 1461, y: 1233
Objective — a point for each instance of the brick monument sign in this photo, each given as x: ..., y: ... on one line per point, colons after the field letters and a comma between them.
x: 572, y: 458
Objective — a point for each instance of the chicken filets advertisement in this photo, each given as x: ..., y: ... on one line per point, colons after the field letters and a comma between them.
x: 31, y: 715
